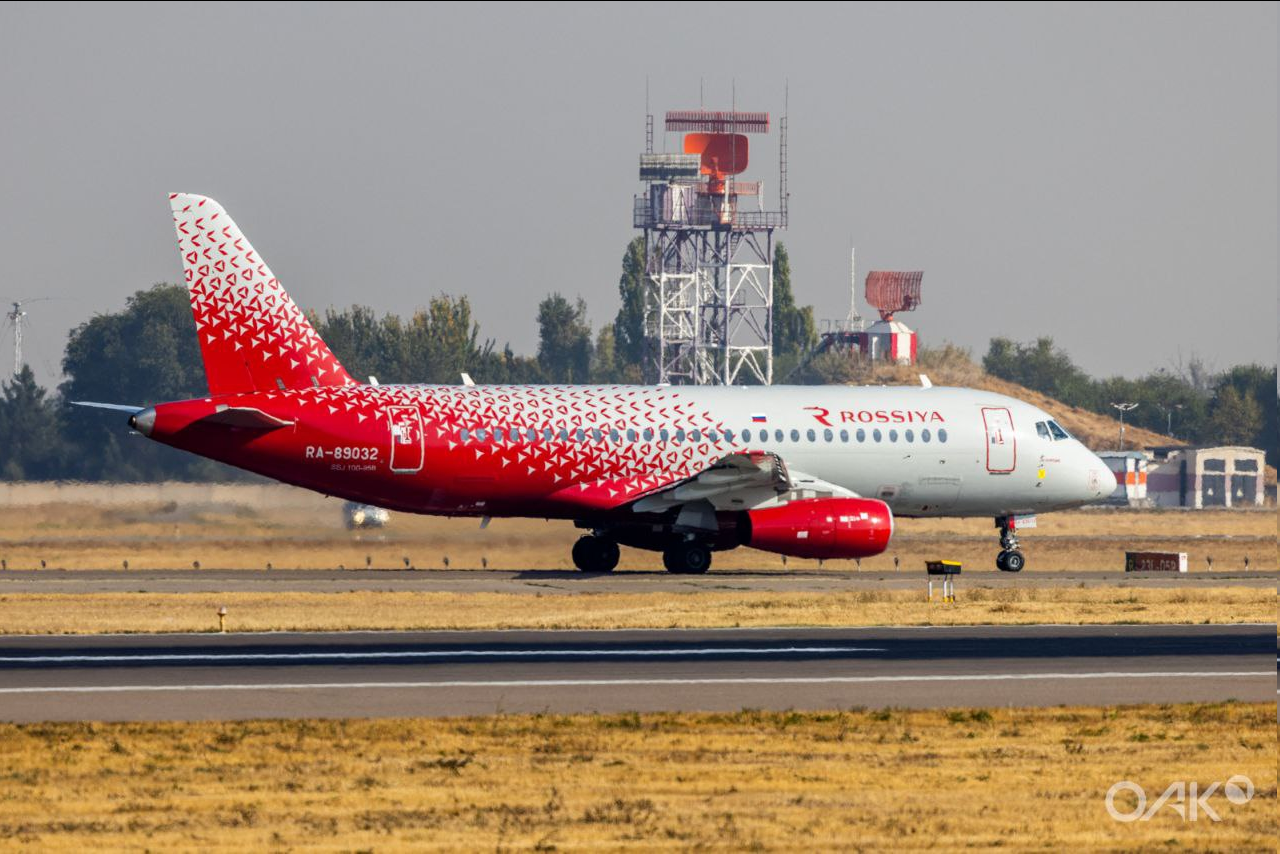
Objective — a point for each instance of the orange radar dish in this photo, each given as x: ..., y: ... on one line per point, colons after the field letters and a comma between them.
x: 722, y: 153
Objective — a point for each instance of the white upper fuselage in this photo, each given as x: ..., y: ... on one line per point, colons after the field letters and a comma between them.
x: 933, y: 451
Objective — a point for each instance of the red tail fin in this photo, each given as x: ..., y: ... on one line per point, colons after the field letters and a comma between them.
x: 252, y: 336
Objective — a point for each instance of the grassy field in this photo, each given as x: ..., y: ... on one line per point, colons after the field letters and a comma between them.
x: 194, y: 612
x: 848, y: 780
x: 171, y: 535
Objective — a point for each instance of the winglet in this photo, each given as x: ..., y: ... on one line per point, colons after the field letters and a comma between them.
x: 925, y: 382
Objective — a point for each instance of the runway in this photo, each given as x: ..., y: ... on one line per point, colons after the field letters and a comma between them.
x: 386, y: 674
x: 548, y: 582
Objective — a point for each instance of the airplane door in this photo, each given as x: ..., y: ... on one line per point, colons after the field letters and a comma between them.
x: 406, y: 439
x: 1002, y: 442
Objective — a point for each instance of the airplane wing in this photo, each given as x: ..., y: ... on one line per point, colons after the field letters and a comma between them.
x: 741, y: 481
x: 736, y: 481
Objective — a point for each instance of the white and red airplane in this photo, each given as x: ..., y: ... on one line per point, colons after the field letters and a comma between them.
x: 808, y: 471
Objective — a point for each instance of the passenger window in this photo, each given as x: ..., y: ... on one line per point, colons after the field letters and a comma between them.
x: 614, y: 435
x: 875, y: 434
x: 564, y: 434
x: 795, y: 435
x: 942, y: 434
x: 893, y: 435
x: 828, y: 435
x: 648, y: 434
x: 909, y: 435
x: 811, y: 436
x: 925, y: 435
x: 580, y: 435
x: 664, y: 435
x: 533, y: 434
x: 480, y: 434
x: 631, y: 435
x: 679, y: 434
x: 777, y: 435
x: 1058, y: 433
x: 695, y: 436
x: 861, y: 435
x: 713, y: 436
x: 1042, y: 430
x: 463, y: 435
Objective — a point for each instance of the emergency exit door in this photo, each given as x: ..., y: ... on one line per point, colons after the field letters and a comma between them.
x: 1002, y: 442
x: 406, y: 439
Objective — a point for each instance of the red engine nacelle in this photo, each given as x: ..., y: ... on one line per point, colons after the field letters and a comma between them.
x: 822, y: 528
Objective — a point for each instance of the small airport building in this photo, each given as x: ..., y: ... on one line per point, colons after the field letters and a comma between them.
x: 1179, y: 476
x: 1206, y: 477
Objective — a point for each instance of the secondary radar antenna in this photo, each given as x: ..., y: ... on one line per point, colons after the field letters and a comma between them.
x: 708, y: 260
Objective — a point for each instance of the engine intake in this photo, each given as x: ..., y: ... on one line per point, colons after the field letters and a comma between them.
x: 822, y: 528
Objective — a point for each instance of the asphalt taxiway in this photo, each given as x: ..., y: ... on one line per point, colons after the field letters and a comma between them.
x: 391, y: 674
x: 547, y: 582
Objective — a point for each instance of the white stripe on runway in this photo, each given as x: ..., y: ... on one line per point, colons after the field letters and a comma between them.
x: 575, y: 683
x: 231, y: 655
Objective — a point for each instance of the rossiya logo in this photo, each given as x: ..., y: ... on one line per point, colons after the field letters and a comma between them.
x: 1186, y: 799
x: 876, y: 416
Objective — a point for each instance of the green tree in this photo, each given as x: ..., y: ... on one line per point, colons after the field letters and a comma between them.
x: 30, y: 431
x: 794, y: 331
x: 1234, y: 418
x: 145, y: 354
x: 564, y: 340
x: 628, y: 326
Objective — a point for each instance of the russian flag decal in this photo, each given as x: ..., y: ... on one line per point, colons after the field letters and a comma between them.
x: 758, y: 418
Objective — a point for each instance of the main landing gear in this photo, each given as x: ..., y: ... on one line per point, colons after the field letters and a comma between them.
x: 1009, y: 559
x: 688, y: 557
x: 595, y: 554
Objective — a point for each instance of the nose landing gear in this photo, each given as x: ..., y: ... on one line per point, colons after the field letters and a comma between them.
x: 1010, y: 558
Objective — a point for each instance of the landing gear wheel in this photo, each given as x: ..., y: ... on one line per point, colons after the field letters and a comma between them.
x: 687, y: 558
x: 1009, y: 559
x: 595, y: 554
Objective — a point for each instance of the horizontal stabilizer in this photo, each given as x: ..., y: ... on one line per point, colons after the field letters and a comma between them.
x: 116, y: 407
x: 246, y: 418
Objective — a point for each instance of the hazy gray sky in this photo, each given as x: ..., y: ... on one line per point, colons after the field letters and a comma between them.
x: 1105, y: 175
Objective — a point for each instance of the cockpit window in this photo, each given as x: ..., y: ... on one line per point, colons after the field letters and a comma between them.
x: 1042, y: 430
x: 1058, y: 433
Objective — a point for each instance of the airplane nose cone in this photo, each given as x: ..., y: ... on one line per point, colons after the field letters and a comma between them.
x: 144, y: 422
x: 1100, y: 481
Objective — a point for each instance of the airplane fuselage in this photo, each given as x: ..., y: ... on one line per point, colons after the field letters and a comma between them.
x: 582, y: 451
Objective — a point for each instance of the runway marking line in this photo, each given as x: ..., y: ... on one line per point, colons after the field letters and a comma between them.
x: 232, y: 655
x: 575, y: 683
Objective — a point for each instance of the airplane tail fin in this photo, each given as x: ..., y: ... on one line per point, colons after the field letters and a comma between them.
x: 252, y: 335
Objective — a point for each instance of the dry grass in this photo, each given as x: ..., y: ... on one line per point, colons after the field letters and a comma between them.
x: 151, y: 536
x: 849, y: 780
x: 89, y: 613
